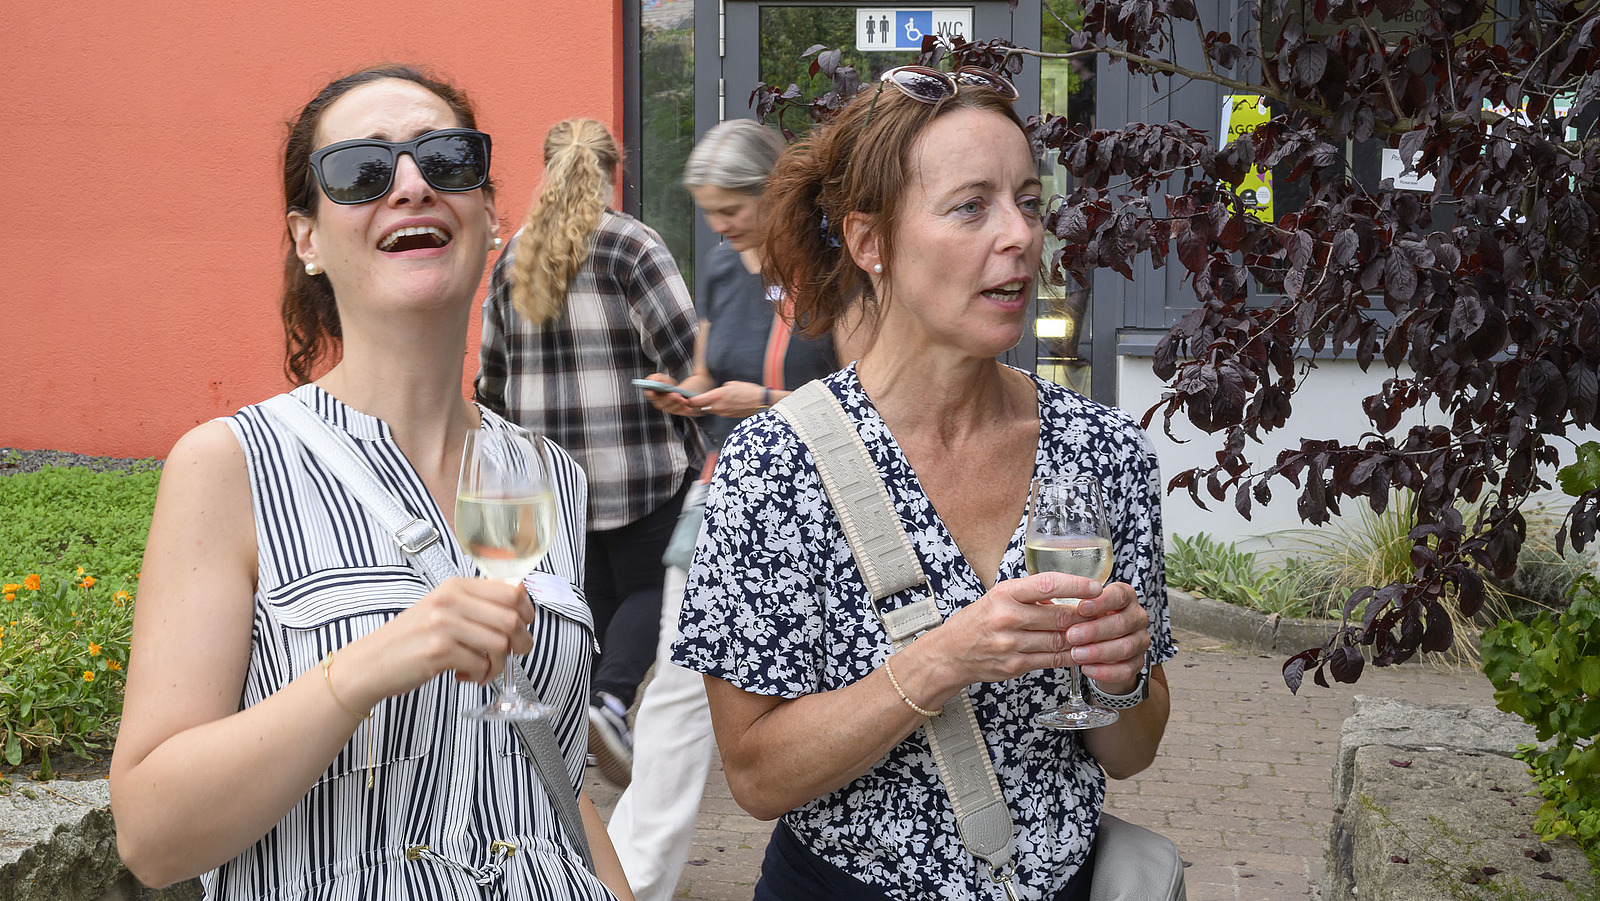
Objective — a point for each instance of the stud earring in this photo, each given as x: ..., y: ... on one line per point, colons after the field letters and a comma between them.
x: 877, y: 268
x: 498, y: 242
x: 313, y: 269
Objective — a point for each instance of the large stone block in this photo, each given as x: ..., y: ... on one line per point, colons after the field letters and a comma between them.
x: 1447, y: 820
x: 58, y: 843
x: 1426, y: 796
x: 1385, y: 721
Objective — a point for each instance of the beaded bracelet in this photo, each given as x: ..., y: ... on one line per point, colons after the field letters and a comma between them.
x: 902, y: 693
x: 327, y: 676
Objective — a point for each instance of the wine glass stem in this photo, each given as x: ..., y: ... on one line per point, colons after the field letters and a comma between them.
x: 1074, y: 692
x: 506, y: 684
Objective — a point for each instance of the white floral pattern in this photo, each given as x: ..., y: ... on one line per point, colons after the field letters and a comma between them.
x: 776, y: 606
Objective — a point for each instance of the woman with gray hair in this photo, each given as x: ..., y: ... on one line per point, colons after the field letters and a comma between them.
x: 746, y: 358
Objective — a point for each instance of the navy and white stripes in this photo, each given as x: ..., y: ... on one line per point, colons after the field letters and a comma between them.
x: 329, y: 574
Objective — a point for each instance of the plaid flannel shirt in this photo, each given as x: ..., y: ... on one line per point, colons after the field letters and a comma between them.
x: 627, y: 315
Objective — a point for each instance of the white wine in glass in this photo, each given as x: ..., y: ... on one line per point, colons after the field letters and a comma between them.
x: 506, y: 522
x: 1067, y: 533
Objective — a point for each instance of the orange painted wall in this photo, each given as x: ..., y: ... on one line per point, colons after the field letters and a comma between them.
x: 145, y: 232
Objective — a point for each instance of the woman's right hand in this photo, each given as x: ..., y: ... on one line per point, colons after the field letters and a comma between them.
x: 467, y: 626
x: 1011, y: 630
x: 667, y: 402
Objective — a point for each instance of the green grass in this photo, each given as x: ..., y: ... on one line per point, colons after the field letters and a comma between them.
x: 71, y: 544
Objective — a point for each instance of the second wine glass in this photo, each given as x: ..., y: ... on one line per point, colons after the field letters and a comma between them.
x: 506, y: 522
x: 1067, y: 533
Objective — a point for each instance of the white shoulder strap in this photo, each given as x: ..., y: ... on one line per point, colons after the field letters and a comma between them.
x: 888, y: 565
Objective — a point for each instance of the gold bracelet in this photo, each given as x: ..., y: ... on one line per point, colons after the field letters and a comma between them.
x: 327, y: 676
x: 902, y: 693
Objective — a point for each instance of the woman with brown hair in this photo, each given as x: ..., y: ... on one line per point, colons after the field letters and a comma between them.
x: 922, y: 203
x: 584, y: 300
x: 293, y: 726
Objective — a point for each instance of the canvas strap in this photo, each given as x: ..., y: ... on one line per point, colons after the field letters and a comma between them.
x: 889, y: 565
x: 424, y: 551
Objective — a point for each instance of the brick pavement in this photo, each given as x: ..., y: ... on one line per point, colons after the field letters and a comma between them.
x: 1243, y: 782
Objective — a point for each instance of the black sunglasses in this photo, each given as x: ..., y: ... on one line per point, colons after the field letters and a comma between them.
x: 450, y: 159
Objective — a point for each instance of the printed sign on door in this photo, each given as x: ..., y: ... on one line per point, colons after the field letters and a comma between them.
x: 904, y: 29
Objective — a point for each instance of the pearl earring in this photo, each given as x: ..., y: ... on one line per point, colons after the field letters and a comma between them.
x: 313, y: 269
x: 497, y: 242
x: 877, y: 268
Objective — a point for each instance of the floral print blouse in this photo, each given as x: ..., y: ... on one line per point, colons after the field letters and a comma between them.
x: 776, y: 606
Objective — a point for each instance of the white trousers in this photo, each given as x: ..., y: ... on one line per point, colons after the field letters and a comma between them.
x: 653, y: 823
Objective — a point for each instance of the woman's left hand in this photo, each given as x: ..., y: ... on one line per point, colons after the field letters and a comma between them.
x: 1110, y: 642
x: 734, y: 400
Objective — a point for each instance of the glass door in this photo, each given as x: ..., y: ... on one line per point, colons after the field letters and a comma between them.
x: 746, y: 42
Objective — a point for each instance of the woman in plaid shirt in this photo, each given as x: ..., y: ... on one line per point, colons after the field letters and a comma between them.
x: 583, y: 300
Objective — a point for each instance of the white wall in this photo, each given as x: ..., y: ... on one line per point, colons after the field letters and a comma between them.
x: 1328, y: 406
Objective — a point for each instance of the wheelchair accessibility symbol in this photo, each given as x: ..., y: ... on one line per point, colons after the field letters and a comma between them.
x: 910, y: 27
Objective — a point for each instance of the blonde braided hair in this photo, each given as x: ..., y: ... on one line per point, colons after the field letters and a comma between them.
x: 580, y: 162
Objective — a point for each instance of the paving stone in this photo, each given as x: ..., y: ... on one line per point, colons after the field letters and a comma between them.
x: 1236, y: 780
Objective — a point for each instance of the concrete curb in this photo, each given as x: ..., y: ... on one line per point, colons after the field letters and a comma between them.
x: 1247, y: 628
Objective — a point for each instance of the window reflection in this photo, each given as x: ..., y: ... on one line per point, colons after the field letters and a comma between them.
x: 1066, y: 88
x: 666, y: 114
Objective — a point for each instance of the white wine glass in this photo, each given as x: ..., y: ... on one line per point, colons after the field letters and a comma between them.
x: 506, y: 521
x: 1068, y: 533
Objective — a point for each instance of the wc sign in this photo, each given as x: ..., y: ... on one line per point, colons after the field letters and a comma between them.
x: 904, y: 29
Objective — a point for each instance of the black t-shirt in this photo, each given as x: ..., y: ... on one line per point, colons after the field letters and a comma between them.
x: 741, y: 309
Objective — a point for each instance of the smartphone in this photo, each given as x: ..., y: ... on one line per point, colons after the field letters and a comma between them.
x: 652, y: 385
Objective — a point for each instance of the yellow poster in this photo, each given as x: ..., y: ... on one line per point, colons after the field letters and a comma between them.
x: 1241, y: 113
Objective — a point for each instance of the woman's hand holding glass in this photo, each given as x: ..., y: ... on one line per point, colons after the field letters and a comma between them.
x: 1015, y: 629
x: 464, y: 626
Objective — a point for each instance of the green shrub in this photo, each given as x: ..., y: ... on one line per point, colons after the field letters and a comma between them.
x: 1548, y: 672
x: 71, y: 543
x: 1209, y: 568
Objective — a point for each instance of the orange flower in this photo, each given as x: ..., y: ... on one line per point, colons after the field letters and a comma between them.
x: 11, y: 586
x: 121, y: 597
x: 88, y: 676
x: 31, y: 582
x: 113, y: 665
x: 11, y: 595
x: 80, y: 570
x: 88, y: 581
x: 94, y: 649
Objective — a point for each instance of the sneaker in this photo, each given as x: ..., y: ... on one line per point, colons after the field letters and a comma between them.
x: 609, y: 739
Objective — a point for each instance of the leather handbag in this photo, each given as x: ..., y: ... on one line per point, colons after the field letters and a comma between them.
x: 686, y: 533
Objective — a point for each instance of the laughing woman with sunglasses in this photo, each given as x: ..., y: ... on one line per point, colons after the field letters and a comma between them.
x: 922, y: 199
x: 292, y: 726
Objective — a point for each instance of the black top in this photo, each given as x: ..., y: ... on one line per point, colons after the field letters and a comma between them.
x: 740, y: 309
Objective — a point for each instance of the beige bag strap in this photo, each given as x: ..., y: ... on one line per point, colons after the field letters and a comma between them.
x: 889, y: 565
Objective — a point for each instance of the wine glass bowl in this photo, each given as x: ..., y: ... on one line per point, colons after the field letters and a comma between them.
x: 1067, y: 532
x: 505, y: 521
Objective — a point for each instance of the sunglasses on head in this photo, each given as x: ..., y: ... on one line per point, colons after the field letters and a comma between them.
x: 930, y: 86
x: 450, y: 159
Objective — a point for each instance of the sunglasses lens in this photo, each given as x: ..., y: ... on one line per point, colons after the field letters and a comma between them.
x: 921, y: 84
x: 458, y: 162
x: 983, y: 78
x: 357, y: 174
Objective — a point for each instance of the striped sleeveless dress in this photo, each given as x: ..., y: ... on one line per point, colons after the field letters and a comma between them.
x: 456, y: 810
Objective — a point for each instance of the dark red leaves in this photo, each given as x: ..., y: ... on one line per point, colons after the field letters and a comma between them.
x: 1479, y: 296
